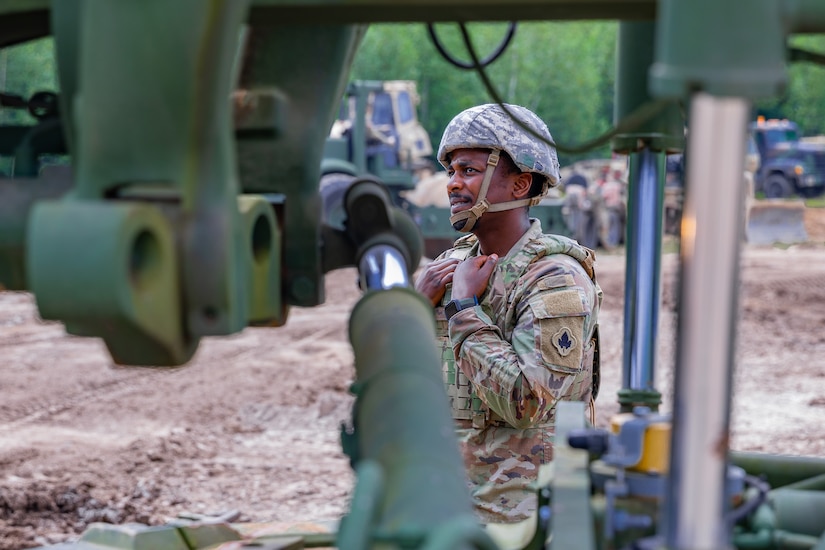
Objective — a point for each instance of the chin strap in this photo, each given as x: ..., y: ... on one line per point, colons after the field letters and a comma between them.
x: 482, y: 205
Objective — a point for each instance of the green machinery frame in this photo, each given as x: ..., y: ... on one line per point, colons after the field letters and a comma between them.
x: 191, y: 208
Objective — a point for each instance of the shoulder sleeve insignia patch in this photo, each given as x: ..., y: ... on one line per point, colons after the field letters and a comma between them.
x: 564, y: 341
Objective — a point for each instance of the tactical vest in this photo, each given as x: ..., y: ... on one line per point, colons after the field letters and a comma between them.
x: 465, y: 404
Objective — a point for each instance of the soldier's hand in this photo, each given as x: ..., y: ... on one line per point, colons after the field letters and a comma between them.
x: 432, y: 282
x: 472, y: 275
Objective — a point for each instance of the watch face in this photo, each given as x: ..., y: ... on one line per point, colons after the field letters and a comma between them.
x: 451, y: 308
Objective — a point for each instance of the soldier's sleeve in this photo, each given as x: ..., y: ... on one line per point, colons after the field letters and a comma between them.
x: 521, y: 380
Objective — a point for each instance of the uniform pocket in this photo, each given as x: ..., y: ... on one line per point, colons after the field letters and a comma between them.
x: 559, y: 328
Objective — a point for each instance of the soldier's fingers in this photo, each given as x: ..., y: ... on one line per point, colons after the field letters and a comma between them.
x: 489, y: 263
x: 442, y: 269
x: 448, y: 268
x: 447, y: 263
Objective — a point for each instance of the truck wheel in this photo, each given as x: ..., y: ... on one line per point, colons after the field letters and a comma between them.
x: 777, y: 187
x: 333, y: 188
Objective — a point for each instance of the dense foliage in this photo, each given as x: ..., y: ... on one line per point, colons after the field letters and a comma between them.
x: 564, y: 71
x: 804, y: 100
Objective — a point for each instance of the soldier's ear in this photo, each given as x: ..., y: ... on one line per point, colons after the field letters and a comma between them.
x: 521, y: 185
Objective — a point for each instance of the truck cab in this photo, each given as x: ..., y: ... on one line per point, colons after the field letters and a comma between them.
x: 787, y: 165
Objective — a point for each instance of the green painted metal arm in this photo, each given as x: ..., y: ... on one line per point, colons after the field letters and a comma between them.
x: 402, y: 420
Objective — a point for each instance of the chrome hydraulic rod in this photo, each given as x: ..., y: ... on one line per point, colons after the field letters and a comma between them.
x: 383, y: 267
x: 643, y: 267
x: 711, y: 233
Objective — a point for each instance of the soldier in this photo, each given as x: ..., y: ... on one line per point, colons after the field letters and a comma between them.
x: 516, y: 309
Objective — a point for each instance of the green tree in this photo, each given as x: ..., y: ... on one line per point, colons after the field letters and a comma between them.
x: 802, y: 101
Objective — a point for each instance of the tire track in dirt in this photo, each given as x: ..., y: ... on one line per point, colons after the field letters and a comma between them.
x: 30, y: 337
x: 792, y: 284
x: 15, y: 419
x: 23, y: 331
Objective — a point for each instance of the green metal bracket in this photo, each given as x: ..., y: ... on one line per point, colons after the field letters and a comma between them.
x: 309, y: 83
x: 731, y: 48
x: 193, y: 261
x: 628, y: 399
x: 663, y: 132
x: 263, y: 255
x: 118, y: 277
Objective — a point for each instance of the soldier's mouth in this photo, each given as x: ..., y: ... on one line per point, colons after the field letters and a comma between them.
x: 459, y: 203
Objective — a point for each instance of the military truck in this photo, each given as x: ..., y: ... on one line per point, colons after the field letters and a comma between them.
x: 788, y: 165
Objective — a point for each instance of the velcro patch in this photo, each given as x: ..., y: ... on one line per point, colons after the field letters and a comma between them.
x: 555, y: 281
x: 561, y: 303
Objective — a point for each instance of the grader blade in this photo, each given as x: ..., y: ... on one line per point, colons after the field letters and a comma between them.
x: 773, y: 221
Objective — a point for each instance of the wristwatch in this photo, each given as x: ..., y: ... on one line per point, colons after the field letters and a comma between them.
x: 454, y: 306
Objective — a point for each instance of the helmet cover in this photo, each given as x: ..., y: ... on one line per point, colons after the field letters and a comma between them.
x: 491, y: 127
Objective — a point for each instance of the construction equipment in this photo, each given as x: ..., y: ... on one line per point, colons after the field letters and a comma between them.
x: 197, y: 227
x: 377, y: 133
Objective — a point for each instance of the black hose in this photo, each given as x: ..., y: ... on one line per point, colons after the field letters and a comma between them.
x: 511, y: 31
x: 738, y: 514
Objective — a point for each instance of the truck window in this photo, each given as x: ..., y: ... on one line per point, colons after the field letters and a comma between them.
x: 382, y: 109
x: 405, y: 107
x: 775, y: 137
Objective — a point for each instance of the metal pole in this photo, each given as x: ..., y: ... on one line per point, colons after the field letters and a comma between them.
x: 710, y: 235
x: 646, y: 147
x: 643, y: 266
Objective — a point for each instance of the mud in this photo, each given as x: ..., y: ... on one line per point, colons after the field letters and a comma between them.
x: 249, y: 429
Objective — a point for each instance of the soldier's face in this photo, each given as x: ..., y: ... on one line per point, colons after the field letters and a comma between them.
x: 466, y: 171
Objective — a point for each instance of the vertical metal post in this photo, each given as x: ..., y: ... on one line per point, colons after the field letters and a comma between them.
x: 643, y: 270
x: 646, y: 147
x: 711, y: 233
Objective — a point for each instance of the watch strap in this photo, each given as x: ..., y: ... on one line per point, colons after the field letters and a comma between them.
x: 454, y: 306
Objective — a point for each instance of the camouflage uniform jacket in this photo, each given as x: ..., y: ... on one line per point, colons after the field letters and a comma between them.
x: 530, y: 342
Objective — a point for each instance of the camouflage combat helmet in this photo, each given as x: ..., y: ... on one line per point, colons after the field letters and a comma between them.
x: 491, y: 127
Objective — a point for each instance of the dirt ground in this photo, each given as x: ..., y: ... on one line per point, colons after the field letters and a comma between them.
x: 250, y: 428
